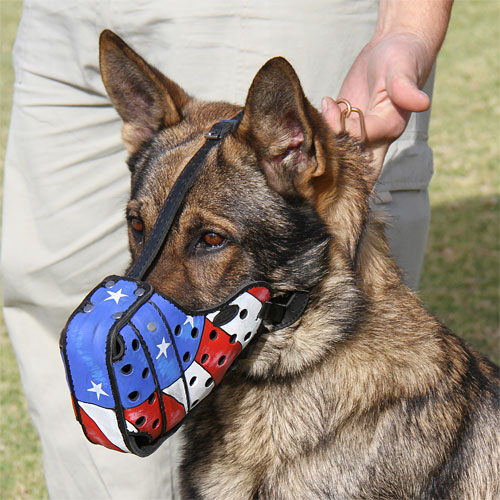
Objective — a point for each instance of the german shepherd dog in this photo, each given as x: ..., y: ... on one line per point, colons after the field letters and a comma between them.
x: 367, y: 395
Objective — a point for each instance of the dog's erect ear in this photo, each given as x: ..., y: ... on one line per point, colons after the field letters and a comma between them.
x: 279, y: 122
x: 301, y: 157
x: 146, y: 100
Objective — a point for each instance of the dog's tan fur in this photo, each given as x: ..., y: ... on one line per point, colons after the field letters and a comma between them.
x: 367, y: 395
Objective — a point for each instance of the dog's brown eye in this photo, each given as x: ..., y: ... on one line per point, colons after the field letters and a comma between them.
x: 137, y: 227
x: 212, y: 239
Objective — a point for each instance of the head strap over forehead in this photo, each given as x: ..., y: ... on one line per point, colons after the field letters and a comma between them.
x: 179, y: 190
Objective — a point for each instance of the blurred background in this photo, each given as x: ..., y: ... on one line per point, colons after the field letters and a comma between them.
x: 460, y: 281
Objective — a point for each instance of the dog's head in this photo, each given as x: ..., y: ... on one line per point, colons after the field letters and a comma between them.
x: 280, y: 199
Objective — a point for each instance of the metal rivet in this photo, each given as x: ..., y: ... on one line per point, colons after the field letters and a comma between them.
x: 88, y: 307
x: 152, y: 327
x: 117, y: 315
x: 109, y: 284
x: 139, y: 292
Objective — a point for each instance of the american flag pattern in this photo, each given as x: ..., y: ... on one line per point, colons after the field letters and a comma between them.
x: 137, y: 363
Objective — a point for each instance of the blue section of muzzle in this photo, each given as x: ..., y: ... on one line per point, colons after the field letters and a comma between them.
x: 89, y: 341
x: 137, y: 362
x: 132, y: 372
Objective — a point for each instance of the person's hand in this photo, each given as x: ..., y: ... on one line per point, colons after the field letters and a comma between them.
x: 384, y: 82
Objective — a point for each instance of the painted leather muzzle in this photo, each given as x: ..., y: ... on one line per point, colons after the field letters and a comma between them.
x: 137, y: 362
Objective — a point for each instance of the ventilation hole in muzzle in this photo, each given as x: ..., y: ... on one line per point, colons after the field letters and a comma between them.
x: 156, y: 423
x: 194, y: 332
x: 133, y: 396
x: 127, y: 369
x: 186, y: 357
x: 177, y: 330
x: 140, y: 421
x: 192, y: 381
x: 194, y: 403
x: 145, y: 373
x: 135, y: 345
x: 209, y: 382
x: 152, y: 398
x: 243, y: 313
x: 117, y: 349
x: 204, y: 359
x: 247, y: 336
x: 221, y: 361
x: 233, y: 338
x: 213, y: 335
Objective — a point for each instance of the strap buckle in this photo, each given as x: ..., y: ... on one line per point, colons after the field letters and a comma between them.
x: 222, y: 128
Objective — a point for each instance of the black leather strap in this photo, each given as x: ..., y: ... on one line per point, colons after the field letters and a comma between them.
x: 181, y: 186
x: 284, y: 314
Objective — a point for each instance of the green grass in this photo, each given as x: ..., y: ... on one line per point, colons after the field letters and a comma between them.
x: 460, y: 282
x: 21, y: 474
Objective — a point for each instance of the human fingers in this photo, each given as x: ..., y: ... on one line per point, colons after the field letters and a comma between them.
x: 332, y: 114
x: 390, y: 109
x: 405, y: 94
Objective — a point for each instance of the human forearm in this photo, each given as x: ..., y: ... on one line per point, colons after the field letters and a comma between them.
x: 426, y: 19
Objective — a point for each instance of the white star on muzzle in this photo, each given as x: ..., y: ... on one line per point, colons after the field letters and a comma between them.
x: 97, y: 388
x: 163, y: 348
x: 116, y: 296
x: 190, y: 320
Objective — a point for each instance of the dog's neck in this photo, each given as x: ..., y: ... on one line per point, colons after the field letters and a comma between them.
x: 375, y: 266
x: 342, y: 198
x: 361, y: 273
x: 336, y: 317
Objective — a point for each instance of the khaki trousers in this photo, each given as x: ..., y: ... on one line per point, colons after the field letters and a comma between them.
x: 66, y: 182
